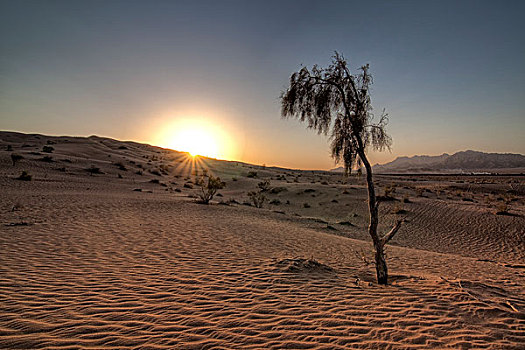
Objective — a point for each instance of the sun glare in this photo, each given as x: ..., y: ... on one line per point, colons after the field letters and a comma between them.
x: 198, y: 137
x: 196, y: 141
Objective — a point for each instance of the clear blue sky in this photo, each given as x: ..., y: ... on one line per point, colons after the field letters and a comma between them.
x: 451, y: 74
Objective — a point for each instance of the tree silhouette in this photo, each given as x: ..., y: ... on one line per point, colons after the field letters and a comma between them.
x: 334, y: 99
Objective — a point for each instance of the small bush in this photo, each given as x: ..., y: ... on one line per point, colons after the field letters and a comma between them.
x: 25, y: 176
x: 94, y: 170
x: 257, y: 198
x: 154, y: 181
x: 9, y: 148
x: 252, y: 174
x: 122, y: 147
x: 264, y: 186
x: 277, y: 190
x: 209, y: 187
x: 47, y: 159
x: 120, y: 166
x: 139, y: 172
x: 188, y: 185
x: 275, y: 202
x: 48, y: 149
x: 15, y: 158
x: 306, y: 205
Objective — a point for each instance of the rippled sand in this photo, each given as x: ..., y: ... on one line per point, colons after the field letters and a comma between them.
x: 86, y: 262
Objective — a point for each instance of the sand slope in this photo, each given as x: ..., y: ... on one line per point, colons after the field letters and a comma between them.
x: 86, y: 262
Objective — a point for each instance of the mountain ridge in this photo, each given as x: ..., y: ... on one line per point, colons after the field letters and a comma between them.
x: 462, y: 161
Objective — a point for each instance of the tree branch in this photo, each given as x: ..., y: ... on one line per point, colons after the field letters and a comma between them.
x: 386, y: 238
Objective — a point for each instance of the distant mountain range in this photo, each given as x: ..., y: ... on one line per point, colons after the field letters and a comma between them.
x: 465, y: 161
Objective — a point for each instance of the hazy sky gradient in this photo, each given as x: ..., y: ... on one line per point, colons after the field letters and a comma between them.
x: 450, y: 74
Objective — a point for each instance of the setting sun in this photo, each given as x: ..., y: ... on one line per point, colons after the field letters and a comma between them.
x: 196, y: 141
x: 198, y: 137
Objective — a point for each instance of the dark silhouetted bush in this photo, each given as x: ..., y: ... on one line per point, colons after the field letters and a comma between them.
x: 16, y: 158
x: 48, y: 149
x: 25, y: 176
x: 209, y: 187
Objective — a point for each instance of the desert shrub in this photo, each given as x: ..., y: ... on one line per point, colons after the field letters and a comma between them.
x: 406, y: 199
x: 390, y: 191
x: 121, y: 166
x: 25, y: 176
x: 258, y: 198
x: 502, y: 208
x: 94, y: 170
x: 306, y: 205
x: 234, y: 179
x: 275, y: 202
x: 47, y: 159
x: 264, y: 186
x: 209, y: 187
x: 15, y: 158
x: 399, y: 209
x: 48, y: 149
x: 155, y: 172
x: 154, y: 181
x: 139, y: 172
x: 335, y: 201
x: 252, y: 174
x: 122, y: 147
x: 50, y: 142
x: 9, y: 148
x: 119, y: 176
x: 188, y: 185
x: 277, y: 190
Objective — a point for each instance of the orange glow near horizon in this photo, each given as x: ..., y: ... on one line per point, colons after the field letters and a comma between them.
x: 198, y: 137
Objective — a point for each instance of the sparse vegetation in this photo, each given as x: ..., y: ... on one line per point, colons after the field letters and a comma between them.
x: 15, y: 158
x: 264, y: 186
x: 25, y: 176
x: 257, y: 198
x: 209, y: 185
x: 120, y: 166
x: 48, y: 149
x: 94, y: 170
x: 47, y: 159
x: 252, y: 174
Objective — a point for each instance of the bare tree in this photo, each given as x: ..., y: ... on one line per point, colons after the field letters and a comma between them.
x: 334, y: 99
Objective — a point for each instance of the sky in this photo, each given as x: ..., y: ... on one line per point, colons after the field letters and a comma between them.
x: 449, y: 73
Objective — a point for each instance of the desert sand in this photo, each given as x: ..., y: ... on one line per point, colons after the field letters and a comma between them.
x: 124, y: 257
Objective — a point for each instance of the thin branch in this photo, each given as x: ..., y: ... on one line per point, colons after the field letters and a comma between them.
x: 386, y: 238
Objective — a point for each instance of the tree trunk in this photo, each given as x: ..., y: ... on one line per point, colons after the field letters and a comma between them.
x: 381, y: 268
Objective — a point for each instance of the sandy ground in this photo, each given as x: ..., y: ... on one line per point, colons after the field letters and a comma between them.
x: 88, y: 261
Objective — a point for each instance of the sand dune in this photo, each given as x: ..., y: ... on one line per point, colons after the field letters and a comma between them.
x: 87, y: 262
